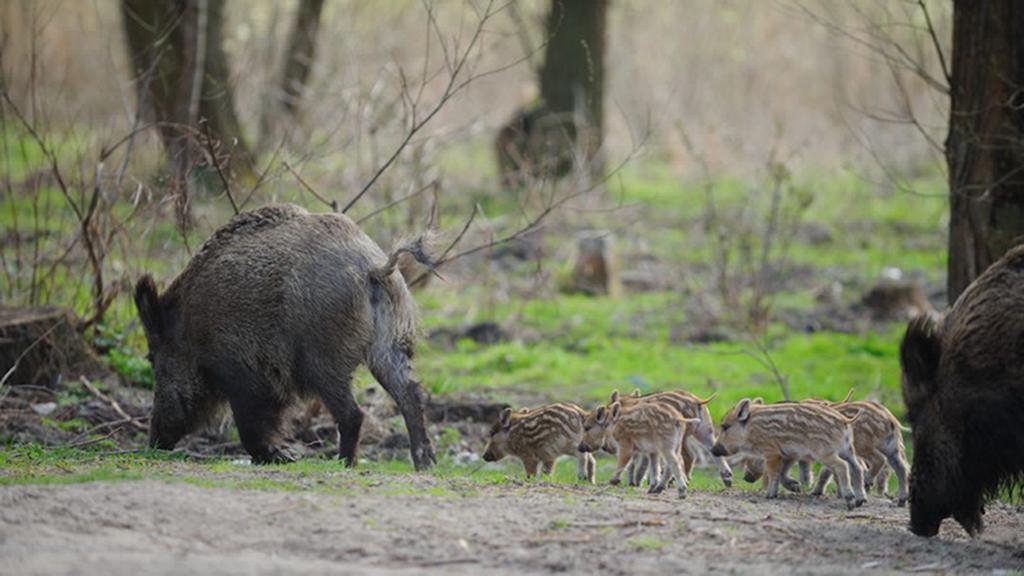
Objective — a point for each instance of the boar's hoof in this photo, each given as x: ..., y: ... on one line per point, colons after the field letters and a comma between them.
x: 276, y: 455
x: 682, y: 493
x: 615, y: 481
x: 901, y: 502
x: 656, y: 489
x: 727, y: 479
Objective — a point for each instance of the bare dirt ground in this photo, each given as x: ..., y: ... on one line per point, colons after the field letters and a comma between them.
x: 418, y: 524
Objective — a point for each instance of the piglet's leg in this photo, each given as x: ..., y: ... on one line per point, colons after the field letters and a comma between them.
x: 675, y: 469
x: 625, y: 453
x: 548, y: 467
x: 657, y: 483
x: 531, y: 466
x: 772, y: 469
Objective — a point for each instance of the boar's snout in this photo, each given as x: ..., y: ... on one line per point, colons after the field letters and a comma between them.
x: 751, y: 477
x: 583, y: 447
x: 719, y: 450
x: 490, y: 457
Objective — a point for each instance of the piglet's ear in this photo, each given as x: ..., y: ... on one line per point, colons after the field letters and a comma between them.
x: 757, y: 401
x: 614, y: 410
x: 614, y: 398
x: 743, y: 410
x: 602, y: 415
x: 635, y: 393
x: 505, y: 418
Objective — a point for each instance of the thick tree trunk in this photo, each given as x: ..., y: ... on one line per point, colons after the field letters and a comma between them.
x: 183, y: 80
x: 567, y: 123
x: 572, y: 80
x: 985, y: 144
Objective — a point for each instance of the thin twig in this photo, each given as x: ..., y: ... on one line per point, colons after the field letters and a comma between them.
x: 208, y: 141
x: 113, y: 404
x: 332, y: 203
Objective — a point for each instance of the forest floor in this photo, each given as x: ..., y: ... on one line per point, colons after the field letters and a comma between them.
x: 203, y: 520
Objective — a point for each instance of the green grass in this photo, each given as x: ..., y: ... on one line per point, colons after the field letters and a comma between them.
x: 578, y: 349
x: 647, y: 542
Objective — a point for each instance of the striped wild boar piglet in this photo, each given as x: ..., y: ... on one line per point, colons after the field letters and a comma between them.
x: 878, y: 442
x: 538, y: 437
x: 279, y: 305
x: 793, y: 431
x: 647, y: 428
x: 699, y: 435
x: 963, y: 386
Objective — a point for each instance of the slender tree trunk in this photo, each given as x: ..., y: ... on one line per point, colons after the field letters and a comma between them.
x: 283, y: 104
x: 567, y: 124
x: 985, y: 144
x: 184, y: 84
x: 300, y: 54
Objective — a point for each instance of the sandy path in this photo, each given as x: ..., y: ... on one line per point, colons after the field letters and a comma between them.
x: 444, y: 526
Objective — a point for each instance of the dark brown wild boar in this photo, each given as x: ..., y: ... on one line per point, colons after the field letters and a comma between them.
x: 281, y: 304
x: 963, y: 385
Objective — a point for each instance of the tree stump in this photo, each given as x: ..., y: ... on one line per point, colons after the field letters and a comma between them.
x: 40, y: 345
x: 896, y: 300
x: 596, y: 269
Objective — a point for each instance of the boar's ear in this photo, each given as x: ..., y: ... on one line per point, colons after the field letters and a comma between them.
x: 148, y: 303
x: 614, y: 410
x: 614, y: 398
x: 920, y: 352
x: 743, y: 410
x: 505, y: 418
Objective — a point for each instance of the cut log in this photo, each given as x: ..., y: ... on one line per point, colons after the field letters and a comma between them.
x: 40, y: 346
x: 596, y: 269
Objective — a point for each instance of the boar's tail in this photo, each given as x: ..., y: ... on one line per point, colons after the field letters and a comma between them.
x: 708, y: 399
x: 417, y: 248
x: 855, y: 417
x: 847, y: 399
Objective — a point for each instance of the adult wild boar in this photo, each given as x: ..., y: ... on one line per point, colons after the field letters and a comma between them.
x: 963, y: 385
x: 277, y: 305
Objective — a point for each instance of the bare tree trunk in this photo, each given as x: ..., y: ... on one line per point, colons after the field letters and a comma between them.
x: 300, y: 54
x: 985, y: 144
x: 284, y: 103
x: 568, y: 121
x: 184, y: 83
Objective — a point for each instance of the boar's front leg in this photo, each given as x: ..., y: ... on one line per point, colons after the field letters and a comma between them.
x: 393, y: 370
x: 258, y: 419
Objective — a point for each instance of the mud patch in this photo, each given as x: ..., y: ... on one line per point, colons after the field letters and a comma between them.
x: 421, y: 524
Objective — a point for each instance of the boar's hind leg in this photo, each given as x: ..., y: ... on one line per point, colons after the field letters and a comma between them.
x: 337, y: 395
x: 393, y: 371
